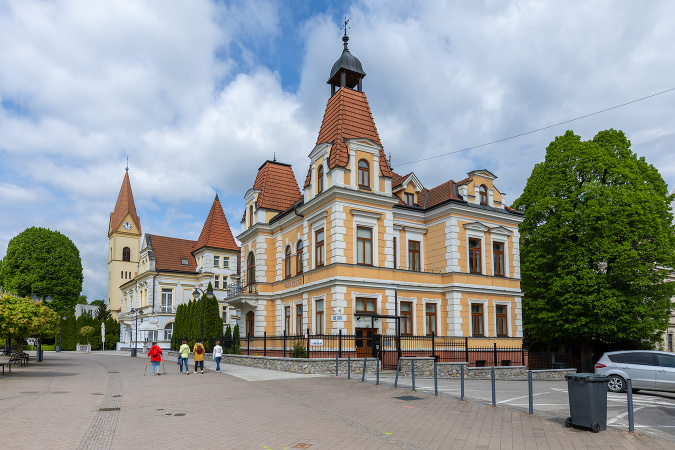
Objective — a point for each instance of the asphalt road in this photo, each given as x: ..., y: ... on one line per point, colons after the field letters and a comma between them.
x: 654, y: 411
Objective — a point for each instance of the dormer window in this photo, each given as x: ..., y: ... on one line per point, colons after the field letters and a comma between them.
x: 183, y: 261
x: 483, y: 194
x: 319, y: 180
x: 364, y: 174
x: 409, y: 199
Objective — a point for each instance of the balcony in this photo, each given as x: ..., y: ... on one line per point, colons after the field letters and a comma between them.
x: 239, y: 288
x: 165, y: 309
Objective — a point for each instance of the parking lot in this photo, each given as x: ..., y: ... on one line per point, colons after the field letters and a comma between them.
x: 654, y: 411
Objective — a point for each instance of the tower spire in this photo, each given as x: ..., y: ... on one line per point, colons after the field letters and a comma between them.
x: 347, y: 71
x: 345, y: 38
x: 127, y: 163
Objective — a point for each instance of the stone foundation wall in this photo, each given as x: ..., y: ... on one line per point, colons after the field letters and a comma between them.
x: 302, y: 365
x: 424, y: 367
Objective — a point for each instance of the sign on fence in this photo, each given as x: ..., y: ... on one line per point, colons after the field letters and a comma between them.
x: 316, y: 342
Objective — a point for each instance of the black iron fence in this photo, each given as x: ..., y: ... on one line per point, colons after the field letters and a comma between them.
x: 477, y: 352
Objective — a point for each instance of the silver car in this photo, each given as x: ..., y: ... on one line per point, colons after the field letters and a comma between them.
x: 648, y: 369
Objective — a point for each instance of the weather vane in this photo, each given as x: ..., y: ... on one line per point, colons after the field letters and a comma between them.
x: 345, y: 24
x: 127, y: 163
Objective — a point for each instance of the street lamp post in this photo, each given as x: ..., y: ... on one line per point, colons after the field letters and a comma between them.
x: 135, y: 313
x: 36, y: 299
x: 62, y: 318
x: 209, y: 295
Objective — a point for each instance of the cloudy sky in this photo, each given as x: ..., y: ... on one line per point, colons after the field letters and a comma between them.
x: 198, y: 94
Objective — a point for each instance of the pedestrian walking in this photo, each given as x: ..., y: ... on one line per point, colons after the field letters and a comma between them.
x: 198, y: 354
x: 155, y: 354
x: 217, y: 355
x: 183, y: 355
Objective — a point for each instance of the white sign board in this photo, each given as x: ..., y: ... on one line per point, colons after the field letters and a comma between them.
x: 316, y: 342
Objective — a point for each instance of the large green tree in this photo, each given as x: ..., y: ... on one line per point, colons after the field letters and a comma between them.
x: 44, y: 262
x: 21, y: 318
x: 596, y: 244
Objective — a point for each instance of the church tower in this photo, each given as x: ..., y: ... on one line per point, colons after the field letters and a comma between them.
x: 124, y: 237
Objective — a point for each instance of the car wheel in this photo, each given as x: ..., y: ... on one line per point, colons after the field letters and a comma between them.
x: 568, y: 422
x: 616, y: 384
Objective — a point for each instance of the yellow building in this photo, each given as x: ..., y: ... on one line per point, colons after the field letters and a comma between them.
x: 361, y: 241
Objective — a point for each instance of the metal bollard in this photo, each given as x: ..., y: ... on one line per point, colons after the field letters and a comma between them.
x: 363, y: 375
x: 412, y: 363
x: 529, y: 390
x: 336, y: 365
x: 435, y: 379
x: 398, y: 368
x: 349, y: 367
x: 461, y: 382
x: 494, y: 395
x: 629, y: 393
x: 377, y: 371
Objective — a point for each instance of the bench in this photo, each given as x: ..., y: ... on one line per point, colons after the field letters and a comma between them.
x: 21, y: 358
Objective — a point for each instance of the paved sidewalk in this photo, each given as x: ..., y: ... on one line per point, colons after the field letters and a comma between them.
x: 104, y: 401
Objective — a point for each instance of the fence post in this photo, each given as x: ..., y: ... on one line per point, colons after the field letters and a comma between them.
x: 398, y: 368
x: 629, y: 394
x: 349, y: 366
x: 495, y: 353
x: 248, y: 344
x: 435, y: 379
x: 522, y: 355
x: 433, y: 346
x: 340, y: 342
x: 336, y: 365
x: 307, y: 342
x: 529, y: 390
x: 363, y: 374
x: 377, y: 370
x: 265, y: 343
x: 466, y: 349
x: 461, y: 382
x: 284, y: 343
x: 412, y: 362
x: 494, y: 395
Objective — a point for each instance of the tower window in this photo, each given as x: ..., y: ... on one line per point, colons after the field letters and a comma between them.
x: 409, y: 199
x: 287, y: 261
x: 126, y: 254
x: 250, y: 268
x: 364, y: 174
x: 483, y: 194
x: 319, y: 180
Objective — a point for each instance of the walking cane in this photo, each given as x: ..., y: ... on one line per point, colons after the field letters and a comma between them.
x: 163, y: 368
x: 146, y: 365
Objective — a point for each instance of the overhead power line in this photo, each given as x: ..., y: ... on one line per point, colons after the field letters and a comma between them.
x: 538, y: 129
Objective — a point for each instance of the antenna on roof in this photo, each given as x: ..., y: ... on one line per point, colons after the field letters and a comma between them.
x: 275, y: 157
x: 390, y: 165
x: 127, y: 163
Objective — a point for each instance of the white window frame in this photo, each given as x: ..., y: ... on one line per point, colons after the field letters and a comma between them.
x: 414, y: 235
x: 365, y: 323
x: 170, y: 332
x: 216, y: 282
x: 216, y: 262
x: 473, y: 233
x: 366, y: 219
x: 317, y: 222
x: 226, y: 262
x: 436, y: 302
x: 412, y: 300
x: 294, y: 316
x: 496, y: 303
x: 319, y: 298
x: 500, y: 234
x: 170, y: 291
x: 486, y: 321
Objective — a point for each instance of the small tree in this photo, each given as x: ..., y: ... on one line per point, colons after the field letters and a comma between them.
x: 228, y: 340
x: 86, y: 332
x: 103, y: 313
x: 298, y: 350
x: 236, y: 343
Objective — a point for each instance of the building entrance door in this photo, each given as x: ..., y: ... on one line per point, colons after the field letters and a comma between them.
x: 364, y: 342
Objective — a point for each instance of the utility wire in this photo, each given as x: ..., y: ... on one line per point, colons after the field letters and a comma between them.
x: 538, y: 129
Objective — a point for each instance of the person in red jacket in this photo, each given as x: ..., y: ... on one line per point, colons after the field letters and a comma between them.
x: 155, y: 354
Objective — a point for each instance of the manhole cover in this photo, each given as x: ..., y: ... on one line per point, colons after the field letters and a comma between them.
x: 179, y: 414
x: 408, y: 398
x: 108, y: 409
x: 301, y: 445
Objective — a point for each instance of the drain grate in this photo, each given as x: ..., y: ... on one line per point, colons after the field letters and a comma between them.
x: 301, y: 445
x: 179, y: 414
x: 408, y: 398
x: 108, y: 409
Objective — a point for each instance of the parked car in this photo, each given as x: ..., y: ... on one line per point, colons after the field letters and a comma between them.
x: 648, y: 369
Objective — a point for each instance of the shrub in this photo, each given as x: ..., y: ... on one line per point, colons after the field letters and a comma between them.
x: 298, y: 350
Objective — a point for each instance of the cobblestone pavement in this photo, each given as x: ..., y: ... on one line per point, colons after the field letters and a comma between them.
x: 70, y: 401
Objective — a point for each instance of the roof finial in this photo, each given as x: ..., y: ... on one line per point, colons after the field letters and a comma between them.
x: 390, y: 164
x: 127, y: 163
x: 345, y: 38
x: 274, y: 158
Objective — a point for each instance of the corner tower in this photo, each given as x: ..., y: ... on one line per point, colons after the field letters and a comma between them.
x: 124, y: 237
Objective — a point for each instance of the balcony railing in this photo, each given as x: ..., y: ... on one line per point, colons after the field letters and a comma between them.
x: 239, y: 288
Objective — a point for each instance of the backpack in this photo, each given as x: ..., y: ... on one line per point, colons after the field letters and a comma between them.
x: 153, y: 351
x: 200, y: 350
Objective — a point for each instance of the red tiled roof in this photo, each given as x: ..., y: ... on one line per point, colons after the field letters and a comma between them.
x: 277, y: 185
x: 169, y: 251
x: 308, y: 178
x: 348, y: 116
x: 440, y: 193
x: 216, y: 232
x: 397, y: 179
x: 125, y: 205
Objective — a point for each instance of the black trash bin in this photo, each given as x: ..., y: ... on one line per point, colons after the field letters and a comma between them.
x: 588, y: 401
x: 133, y: 351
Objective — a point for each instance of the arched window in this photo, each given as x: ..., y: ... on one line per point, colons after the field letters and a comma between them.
x: 319, y: 180
x: 298, y: 256
x: 126, y: 254
x: 250, y: 319
x: 250, y: 268
x: 364, y: 174
x: 168, y: 331
x: 483, y: 194
x: 287, y: 261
